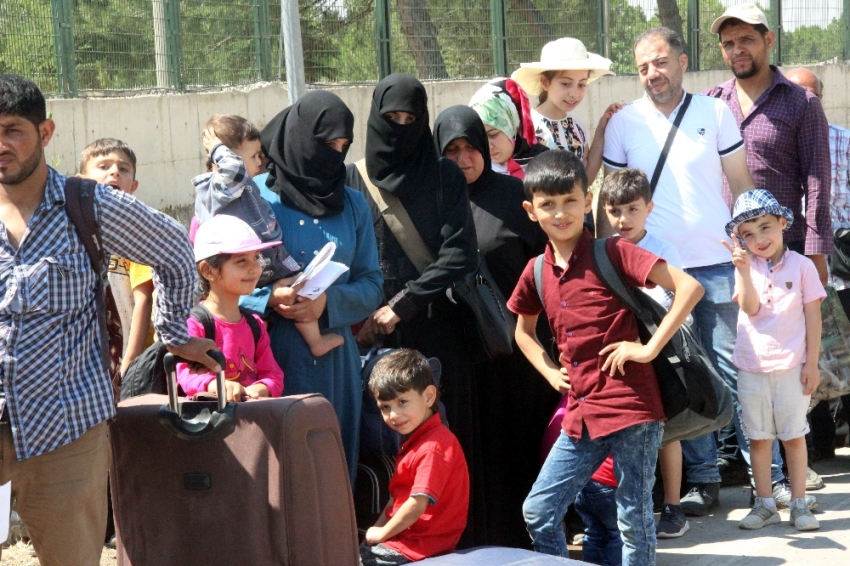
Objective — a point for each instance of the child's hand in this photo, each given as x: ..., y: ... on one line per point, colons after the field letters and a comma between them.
x: 210, y: 139
x: 740, y: 256
x: 810, y: 376
x: 560, y: 381
x: 374, y: 535
x: 233, y: 391
x: 623, y: 352
x: 610, y: 111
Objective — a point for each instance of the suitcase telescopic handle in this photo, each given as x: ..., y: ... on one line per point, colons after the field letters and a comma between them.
x: 169, y: 363
x: 196, y: 420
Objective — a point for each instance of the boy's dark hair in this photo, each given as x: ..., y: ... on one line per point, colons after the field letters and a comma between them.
x: 554, y: 172
x: 670, y: 37
x: 232, y: 130
x: 215, y: 262
x: 401, y: 371
x: 105, y: 146
x: 22, y: 97
x: 761, y: 28
x: 625, y: 186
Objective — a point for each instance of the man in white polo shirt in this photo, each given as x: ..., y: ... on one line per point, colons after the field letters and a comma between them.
x: 689, y: 209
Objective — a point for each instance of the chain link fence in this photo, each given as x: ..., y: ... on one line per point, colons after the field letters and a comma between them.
x: 113, y: 46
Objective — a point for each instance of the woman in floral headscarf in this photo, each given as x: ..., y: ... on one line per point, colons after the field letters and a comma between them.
x: 505, y: 110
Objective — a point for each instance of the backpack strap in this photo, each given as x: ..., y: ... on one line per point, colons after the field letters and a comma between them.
x: 613, y: 279
x: 79, y: 206
x: 203, y: 315
x: 668, y: 143
x: 538, y: 276
x: 253, y: 324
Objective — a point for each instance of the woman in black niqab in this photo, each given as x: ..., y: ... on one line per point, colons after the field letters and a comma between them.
x: 401, y: 160
x: 308, y: 173
x: 514, y: 401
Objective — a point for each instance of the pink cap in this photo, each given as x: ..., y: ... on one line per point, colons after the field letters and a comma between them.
x: 225, y: 234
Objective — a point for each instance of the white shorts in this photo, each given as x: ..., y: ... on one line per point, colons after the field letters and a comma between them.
x: 773, y: 404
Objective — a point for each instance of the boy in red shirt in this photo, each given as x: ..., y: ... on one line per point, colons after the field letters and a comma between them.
x: 429, y: 491
x: 614, y: 405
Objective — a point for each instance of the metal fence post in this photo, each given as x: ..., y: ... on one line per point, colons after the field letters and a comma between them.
x: 174, y: 44
x: 603, y: 37
x: 845, y: 18
x: 776, y: 25
x: 500, y: 38
x: 693, y: 35
x: 262, y: 39
x: 382, y: 38
x: 63, y: 47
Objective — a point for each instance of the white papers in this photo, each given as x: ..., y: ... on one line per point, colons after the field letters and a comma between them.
x: 5, y: 509
x: 320, y: 273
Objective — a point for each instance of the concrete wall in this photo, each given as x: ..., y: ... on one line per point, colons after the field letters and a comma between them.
x: 164, y: 130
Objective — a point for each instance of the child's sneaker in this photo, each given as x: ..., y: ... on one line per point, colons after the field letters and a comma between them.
x: 673, y: 523
x: 803, y: 520
x: 760, y: 515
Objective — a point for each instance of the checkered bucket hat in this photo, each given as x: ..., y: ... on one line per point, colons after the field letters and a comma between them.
x: 753, y: 204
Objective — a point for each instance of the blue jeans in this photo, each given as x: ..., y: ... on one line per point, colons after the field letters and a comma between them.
x: 567, y: 470
x: 716, y: 324
x: 596, y: 504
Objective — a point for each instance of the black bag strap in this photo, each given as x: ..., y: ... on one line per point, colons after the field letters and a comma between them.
x: 79, y: 206
x: 538, y: 276
x: 203, y: 315
x: 613, y: 279
x: 669, y: 142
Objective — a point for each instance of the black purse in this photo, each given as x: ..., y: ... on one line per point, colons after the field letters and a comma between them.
x: 491, y: 327
x: 840, y: 258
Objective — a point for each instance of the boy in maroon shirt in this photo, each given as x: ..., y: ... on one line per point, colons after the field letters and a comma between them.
x: 429, y: 491
x: 614, y: 405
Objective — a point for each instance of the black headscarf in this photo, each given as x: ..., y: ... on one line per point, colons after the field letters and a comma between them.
x: 463, y: 122
x: 308, y: 174
x: 400, y: 159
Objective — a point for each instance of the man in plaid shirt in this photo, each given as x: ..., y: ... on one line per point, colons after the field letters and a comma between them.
x: 57, y: 395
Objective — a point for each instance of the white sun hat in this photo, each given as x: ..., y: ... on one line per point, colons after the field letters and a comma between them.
x: 565, y: 54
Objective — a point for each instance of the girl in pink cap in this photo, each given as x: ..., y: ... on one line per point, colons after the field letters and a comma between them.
x: 227, y: 252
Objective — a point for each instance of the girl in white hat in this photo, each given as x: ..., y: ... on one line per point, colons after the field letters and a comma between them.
x: 560, y: 80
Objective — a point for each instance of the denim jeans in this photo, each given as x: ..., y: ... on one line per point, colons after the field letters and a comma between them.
x: 716, y: 324
x: 567, y: 470
x: 596, y: 504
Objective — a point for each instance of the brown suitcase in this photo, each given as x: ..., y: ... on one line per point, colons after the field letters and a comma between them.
x: 258, y: 483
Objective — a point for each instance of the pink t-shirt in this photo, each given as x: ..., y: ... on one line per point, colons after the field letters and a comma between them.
x: 775, y: 337
x: 244, y: 364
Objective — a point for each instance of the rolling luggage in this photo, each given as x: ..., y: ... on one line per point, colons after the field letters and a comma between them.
x: 214, y: 483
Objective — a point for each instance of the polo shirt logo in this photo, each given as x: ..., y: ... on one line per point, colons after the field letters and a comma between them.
x: 701, y: 131
x: 788, y: 285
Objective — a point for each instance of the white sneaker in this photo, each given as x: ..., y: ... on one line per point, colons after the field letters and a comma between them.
x: 760, y: 516
x: 803, y: 520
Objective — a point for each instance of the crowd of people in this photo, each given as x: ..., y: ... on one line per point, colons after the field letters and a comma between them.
x: 723, y: 206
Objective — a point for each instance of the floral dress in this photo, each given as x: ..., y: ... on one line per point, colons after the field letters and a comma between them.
x: 567, y: 133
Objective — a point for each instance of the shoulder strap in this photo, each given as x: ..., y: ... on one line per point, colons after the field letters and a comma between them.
x: 253, y: 324
x: 538, y: 276
x: 79, y: 205
x: 669, y: 142
x: 203, y: 315
x: 613, y: 279
x: 399, y: 222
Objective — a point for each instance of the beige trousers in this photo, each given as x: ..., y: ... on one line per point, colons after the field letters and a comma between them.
x: 61, y: 496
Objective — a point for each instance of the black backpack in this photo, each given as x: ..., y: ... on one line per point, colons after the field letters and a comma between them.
x: 146, y: 374
x: 696, y: 400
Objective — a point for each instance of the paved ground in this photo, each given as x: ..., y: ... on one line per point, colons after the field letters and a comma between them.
x: 716, y: 540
